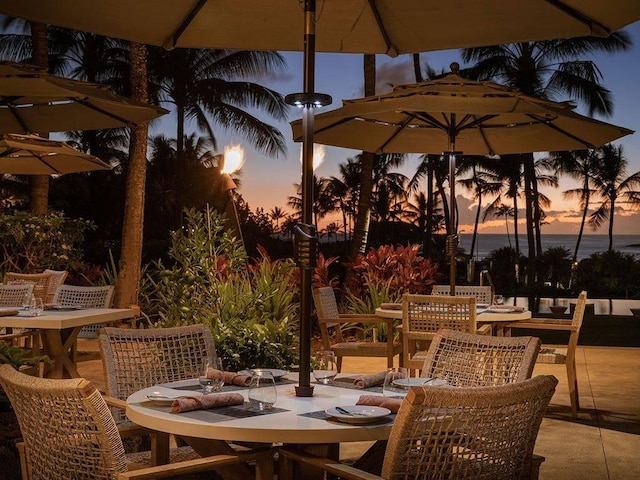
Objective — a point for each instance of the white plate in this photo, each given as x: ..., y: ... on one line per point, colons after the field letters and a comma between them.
x: 164, y: 397
x: 415, y: 382
x: 500, y: 310
x: 358, y: 413
x: 482, y: 305
x: 277, y: 374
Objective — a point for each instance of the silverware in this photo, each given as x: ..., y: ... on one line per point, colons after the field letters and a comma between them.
x: 352, y: 414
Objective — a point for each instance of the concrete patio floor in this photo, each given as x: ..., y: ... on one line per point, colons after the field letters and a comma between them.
x: 602, y: 443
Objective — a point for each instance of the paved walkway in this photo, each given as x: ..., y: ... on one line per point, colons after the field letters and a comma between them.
x: 603, y: 443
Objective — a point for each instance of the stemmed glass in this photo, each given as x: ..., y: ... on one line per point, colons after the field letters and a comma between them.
x: 262, y: 390
x: 498, y: 299
x: 325, y: 369
x: 37, y: 307
x: 212, y: 378
x: 396, y: 382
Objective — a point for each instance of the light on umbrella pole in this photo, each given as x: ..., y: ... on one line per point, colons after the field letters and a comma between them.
x: 233, y: 160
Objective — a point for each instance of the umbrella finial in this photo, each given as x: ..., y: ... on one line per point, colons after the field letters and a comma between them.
x: 455, y: 66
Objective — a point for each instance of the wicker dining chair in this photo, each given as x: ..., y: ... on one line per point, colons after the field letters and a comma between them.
x: 329, y: 318
x: 424, y: 315
x: 85, y: 297
x: 559, y: 354
x: 454, y: 433
x: 16, y: 296
x: 483, y: 294
x: 473, y: 360
x: 68, y: 432
x: 40, y: 282
x: 58, y: 277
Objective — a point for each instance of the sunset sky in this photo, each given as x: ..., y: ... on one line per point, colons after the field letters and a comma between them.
x: 267, y: 182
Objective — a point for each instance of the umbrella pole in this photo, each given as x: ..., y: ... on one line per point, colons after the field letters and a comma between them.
x: 452, y: 240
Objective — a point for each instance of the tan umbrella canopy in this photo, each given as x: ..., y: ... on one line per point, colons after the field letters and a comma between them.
x: 32, y: 155
x: 357, y: 26
x: 32, y: 101
x: 455, y: 115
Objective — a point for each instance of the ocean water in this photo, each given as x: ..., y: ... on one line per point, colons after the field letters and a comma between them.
x: 589, y: 244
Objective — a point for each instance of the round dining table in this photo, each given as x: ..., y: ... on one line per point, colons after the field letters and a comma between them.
x: 297, y: 420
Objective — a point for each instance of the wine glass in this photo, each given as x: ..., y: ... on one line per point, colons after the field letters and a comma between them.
x: 498, y: 299
x: 26, y: 304
x: 262, y: 390
x: 37, y: 306
x: 212, y: 378
x: 325, y: 369
x: 393, y: 385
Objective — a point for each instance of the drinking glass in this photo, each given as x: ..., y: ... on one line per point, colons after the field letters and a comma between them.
x: 325, y: 369
x: 212, y: 379
x: 262, y: 390
x: 498, y: 299
x: 36, y: 306
x: 393, y: 386
x: 26, y: 304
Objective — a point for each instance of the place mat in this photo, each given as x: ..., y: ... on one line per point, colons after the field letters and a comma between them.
x: 347, y: 382
x: 221, y: 414
x: 8, y: 312
x: 322, y: 415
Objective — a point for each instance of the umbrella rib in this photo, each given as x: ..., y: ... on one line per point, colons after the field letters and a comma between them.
x: 596, y: 28
x: 95, y: 108
x: 183, y: 26
x: 380, y: 23
x: 553, y: 126
x: 401, y: 127
x: 39, y: 157
x: 18, y: 118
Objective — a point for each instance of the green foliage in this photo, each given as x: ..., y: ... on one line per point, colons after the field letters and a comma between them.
x: 17, y: 357
x: 608, y: 274
x: 31, y: 243
x: 250, y: 308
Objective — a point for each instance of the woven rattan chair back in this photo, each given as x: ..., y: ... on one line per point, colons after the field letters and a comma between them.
x: 482, y: 294
x: 66, y: 426
x: 58, y: 277
x: 468, y: 432
x: 324, y: 299
x: 15, y: 295
x: 134, y: 359
x: 86, y: 297
x: 472, y: 360
x: 40, y: 282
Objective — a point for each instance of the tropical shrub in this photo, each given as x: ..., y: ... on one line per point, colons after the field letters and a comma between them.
x: 250, y: 308
x: 30, y: 243
x: 609, y: 274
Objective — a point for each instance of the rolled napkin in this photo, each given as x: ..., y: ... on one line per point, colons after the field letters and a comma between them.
x: 391, y: 306
x: 392, y: 404
x: 8, y: 312
x: 203, y: 402
x: 229, y: 378
x: 509, y: 308
x: 366, y: 381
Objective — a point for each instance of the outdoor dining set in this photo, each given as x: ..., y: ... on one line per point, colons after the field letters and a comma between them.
x: 461, y: 398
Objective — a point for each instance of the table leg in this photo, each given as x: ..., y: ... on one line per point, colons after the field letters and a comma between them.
x: 159, y: 448
x: 326, y: 450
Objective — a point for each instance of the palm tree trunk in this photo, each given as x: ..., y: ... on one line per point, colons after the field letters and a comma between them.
x: 584, y: 219
x: 428, y: 236
x: 477, y: 220
x: 416, y: 68
x: 127, y: 286
x: 39, y: 184
x: 611, y: 216
x: 531, y: 263
x: 180, y: 166
x: 363, y: 219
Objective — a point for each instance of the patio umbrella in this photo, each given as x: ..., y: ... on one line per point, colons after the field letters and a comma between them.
x: 392, y: 27
x: 32, y: 155
x: 32, y: 101
x: 455, y: 115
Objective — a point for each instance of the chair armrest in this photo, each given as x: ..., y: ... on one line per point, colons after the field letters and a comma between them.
x: 115, y: 402
x: 361, y: 318
x: 484, y: 329
x: 330, y: 466
x: 264, y: 466
x: 543, y: 324
x: 128, y: 431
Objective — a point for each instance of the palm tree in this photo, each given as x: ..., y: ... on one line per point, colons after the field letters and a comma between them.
x: 611, y: 183
x: 322, y: 199
x: 579, y: 165
x: 547, y: 69
x: 210, y: 87
x: 277, y: 214
x: 345, y: 189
